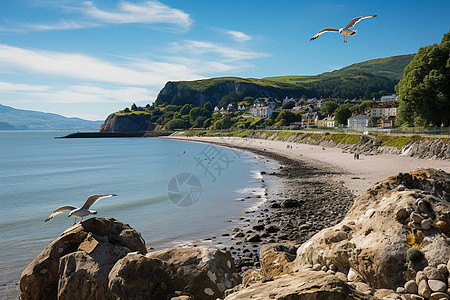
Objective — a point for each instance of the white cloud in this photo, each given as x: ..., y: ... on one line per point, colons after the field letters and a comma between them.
x: 149, y: 12
x: 72, y: 65
x: 16, y: 87
x: 226, y: 53
x: 238, y: 35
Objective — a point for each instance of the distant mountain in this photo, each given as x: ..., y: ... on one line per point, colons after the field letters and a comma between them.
x: 18, y: 119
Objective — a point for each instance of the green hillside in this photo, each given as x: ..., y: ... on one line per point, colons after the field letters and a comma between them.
x: 390, y: 67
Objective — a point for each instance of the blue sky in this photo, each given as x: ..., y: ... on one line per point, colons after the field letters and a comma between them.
x: 91, y: 58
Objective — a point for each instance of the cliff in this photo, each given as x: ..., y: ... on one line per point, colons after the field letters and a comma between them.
x: 200, y: 91
x: 127, y: 122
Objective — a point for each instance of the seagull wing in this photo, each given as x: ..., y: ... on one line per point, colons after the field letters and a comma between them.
x: 94, y: 198
x: 356, y: 20
x: 323, y: 31
x: 60, y: 210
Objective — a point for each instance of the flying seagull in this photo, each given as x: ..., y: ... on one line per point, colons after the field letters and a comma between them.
x: 80, y: 212
x: 346, y: 31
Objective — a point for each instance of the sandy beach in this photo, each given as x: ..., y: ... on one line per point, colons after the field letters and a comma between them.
x: 357, y: 175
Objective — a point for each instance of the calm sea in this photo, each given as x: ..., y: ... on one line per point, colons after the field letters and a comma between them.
x: 171, y: 191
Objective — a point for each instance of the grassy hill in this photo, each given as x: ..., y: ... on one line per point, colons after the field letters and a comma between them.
x: 390, y: 67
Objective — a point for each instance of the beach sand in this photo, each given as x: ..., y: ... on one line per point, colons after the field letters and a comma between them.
x: 357, y: 175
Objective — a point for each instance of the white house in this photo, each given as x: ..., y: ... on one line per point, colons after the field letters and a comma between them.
x: 358, y: 122
x: 392, y: 97
x: 261, y: 111
x: 384, y: 110
x: 216, y: 108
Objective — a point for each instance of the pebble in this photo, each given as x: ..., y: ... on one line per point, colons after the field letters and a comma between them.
x: 400, y: 290
x: 438, y: 296
x: 433, y: 274
x: 421, y: 205
x: 437, y: 285
x: 416, y: 217
x: 420, y: 276
x: 369, y: 213
x: 443, y: 269
x: 324, y: 268
x: 425, y: 224
x: 423, y: 289
x: 411, y: 287
x: 352, y: 275
x: 316, y: 267
x: 416, y: 297
x: 332, y: 267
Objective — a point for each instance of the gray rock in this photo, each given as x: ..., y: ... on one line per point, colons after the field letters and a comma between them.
x: 415, y: 297
x: 324, y: 268
x: 424, y: 290
x: 437, y: 285
x: 448, y: 265
x: 433, y: 274
x: 438, y: 296
x: 411, y: 287
x: 400, y: 290
x: 352, y: 275
x: 316, y: 267
x: 425, y: 224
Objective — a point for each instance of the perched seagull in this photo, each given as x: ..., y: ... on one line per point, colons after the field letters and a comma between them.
x: 81, y: 211
x: 346, y: 31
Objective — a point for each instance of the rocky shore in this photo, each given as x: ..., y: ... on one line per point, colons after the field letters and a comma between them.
x: 393, y: 243
x: 302, y: 199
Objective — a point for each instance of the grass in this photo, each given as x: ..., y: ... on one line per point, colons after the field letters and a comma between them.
x: 398, y: 141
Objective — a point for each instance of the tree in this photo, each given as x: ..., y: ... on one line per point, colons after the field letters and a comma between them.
x: 186, y: 109
x: 288, y: 105
x: 134, y: 107
x: 342, y: 113
x: 175, y: 124
x: 329, y: 107
x: 195, y: 113
x: 424, y: 91
x: 208, y: 106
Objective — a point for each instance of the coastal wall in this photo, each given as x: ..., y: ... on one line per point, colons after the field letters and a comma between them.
x: 363, y: 144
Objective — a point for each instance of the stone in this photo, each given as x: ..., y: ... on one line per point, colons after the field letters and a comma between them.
x: 437, y: 285
x: 353, y: 275
x: 416, y: 218
x: 421, y: 205
x: 92, y: 247
x: 448, y: 265
x: 316, y: 267
x: 402, y: 214
x: 254, y: 238
x: 324, y: 268
x: 400, y: 290
x: 425, y: 224
x: 369, y: 213
x: 411, y: 287
x: 332, y: 267
x: 376, y: 246
x: 301, y: 285
x: 346, y: 227
x: 420, y: 276
x: 252, y: 276
x: 438, y: 296
x: 433, y: 274
x: 276, y: 259
x: 201, y: 272
x: 291, y: 203
x: 332, y: 236
x: 443, y: 269
x: 415, y: 297
x: 423, y: 289
x: 272, y: 229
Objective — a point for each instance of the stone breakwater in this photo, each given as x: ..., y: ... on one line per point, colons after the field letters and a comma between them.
x: 394, y: 243
x: 428, y: 149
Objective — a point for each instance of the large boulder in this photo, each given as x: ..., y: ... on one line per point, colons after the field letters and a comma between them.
x: 76, y: 265
x: 276, y: 259
x: 200, y: 272
x: 301, y: 285
x: 382, y: 227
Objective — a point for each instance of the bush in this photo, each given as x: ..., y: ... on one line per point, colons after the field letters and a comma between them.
x: 414, y: 255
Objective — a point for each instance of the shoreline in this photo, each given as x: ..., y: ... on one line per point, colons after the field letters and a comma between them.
x: 302, y: 198
x: 317, y: 188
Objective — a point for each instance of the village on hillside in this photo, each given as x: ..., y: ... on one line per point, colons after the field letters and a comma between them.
x: 314, y: 114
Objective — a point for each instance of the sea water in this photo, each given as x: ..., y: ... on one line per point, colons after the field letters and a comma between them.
x: 170, y: 191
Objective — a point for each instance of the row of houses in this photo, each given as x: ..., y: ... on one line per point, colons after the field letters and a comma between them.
x: 384, y: 114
